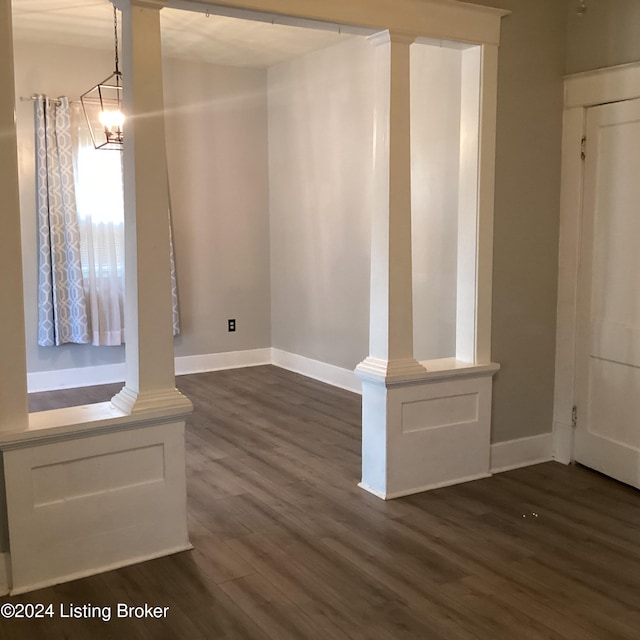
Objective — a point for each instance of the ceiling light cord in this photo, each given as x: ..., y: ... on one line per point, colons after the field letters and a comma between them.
x: 115, y: 33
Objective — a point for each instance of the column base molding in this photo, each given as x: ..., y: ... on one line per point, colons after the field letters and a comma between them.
x: 390, y: 371
x: 131, y: 402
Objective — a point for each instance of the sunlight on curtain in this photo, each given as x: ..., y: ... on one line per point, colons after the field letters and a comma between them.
x: 100, y: 204
x: 98, y: 175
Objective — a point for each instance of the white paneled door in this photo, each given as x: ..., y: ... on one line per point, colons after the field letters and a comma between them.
x: 607, y: 435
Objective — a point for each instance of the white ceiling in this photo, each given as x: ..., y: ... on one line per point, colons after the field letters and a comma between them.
x: 185, y: 34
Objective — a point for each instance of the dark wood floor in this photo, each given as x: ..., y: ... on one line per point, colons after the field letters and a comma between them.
x: 287, y: 547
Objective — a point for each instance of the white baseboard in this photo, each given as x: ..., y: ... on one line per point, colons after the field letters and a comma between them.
x: 219, y: 361
x: 522, y: 452
x: 422, y: 489
x: 328, y: 373
x: 110, y: 373
x: 75, y: 377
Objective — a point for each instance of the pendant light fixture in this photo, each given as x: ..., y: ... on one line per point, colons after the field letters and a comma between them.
x: 102, y: 105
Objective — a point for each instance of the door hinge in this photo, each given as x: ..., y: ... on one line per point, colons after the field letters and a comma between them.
x: 583, y: 147
x: 574, y: 416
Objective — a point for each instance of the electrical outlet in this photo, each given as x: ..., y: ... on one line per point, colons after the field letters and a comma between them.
x: 232, y: 324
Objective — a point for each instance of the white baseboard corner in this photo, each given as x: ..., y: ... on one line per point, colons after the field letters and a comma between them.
x: 112, y: 373
x: 321, y: 371
x: 522, y: 452
x: 185, y: 365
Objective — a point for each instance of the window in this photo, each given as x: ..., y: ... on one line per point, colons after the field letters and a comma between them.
x: 100, y: 207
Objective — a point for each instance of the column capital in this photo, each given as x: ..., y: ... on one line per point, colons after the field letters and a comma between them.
x: 393, y: 37
x: 121, y: 5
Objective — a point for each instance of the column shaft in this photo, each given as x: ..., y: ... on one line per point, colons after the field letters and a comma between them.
x: 391, y: 317
x: 150, y: 374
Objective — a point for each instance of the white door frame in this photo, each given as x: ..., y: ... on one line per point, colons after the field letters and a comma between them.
x: 581, y: 90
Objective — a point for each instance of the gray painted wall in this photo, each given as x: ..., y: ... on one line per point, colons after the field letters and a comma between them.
x: 607, y: 34
x: 527, y: 202
x: 217, y: 154
x: 320, y: 178
x: 320, y: 172
x: 320, y: 229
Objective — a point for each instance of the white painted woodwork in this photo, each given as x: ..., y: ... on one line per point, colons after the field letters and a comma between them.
x: 85, y: 497
x: 569, y: 248
x: 607, y: 437
x: 111, y: 373
x: 592, y: 88
x: 468, y: 182
x: 436, y: 19
x: 391, y: 309
x: 91, y: 488
x: 427, y: 433
x: 96, y: 487
x: 150, y: 377
x: 406, y: 451
x: 522, y: 452
x: 13, y: 363
x: 328, y: 373
x: 581, y: 91
x: 486, y: 190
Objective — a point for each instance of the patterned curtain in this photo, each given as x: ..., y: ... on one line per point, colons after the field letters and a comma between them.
x: 62, y: 308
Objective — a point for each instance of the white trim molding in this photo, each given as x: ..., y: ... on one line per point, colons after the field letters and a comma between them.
x: 611, y: 84
x: 321, y: 371
x: 522, y: 452
x: 581, y: 90
x: 111, y: 373
x: 219, y: 361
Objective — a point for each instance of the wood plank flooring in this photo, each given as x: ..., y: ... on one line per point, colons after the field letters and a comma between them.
x: 288, y: 548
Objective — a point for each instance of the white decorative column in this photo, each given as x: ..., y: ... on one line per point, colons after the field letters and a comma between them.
x: 150, y: 373
x: 13, y: 365
x: 424, y: 425
x: 391, y: 320
x: 391, y: 308
x: 96, y: 487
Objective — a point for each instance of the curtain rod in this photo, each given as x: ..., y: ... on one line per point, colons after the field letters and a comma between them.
x: 56, y: 100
